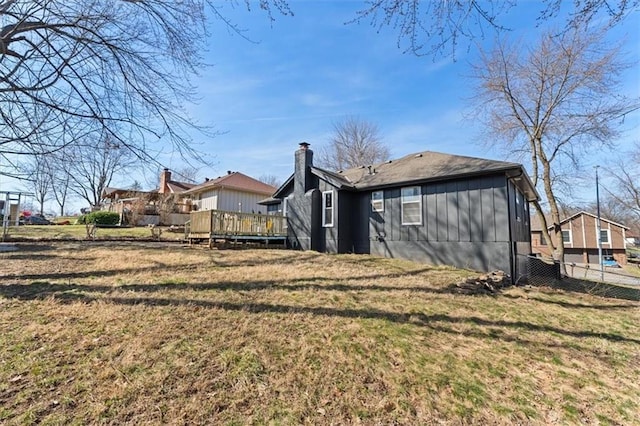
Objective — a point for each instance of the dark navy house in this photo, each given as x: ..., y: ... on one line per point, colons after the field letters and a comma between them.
x: 429, y: 207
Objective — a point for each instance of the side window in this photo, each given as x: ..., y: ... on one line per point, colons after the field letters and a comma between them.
x: 566, y: 236
x: 377, y: 201
x: 604, y: 236
x: 327, y: 208
x: 411, y: 205
x: 285, y: 208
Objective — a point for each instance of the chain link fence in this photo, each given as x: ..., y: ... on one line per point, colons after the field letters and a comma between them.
x: 584, y: 278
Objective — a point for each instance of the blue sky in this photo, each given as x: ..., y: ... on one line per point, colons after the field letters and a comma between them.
x: 303, y: 73
x: 308, y: 71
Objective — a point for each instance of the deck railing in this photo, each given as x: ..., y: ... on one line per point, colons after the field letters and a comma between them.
x: 208, y: 223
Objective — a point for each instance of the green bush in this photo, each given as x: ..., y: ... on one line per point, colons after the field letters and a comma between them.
x: 100, y: 218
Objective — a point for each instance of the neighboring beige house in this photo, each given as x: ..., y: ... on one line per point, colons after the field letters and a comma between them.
x: 171, y: 203
x: 233, y: 192
x: 579, y: 234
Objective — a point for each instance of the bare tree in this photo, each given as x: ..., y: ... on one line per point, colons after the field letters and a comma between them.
x: 187, y: 174
x: 438, y: 27
x: 552, y: 102
x: 60, y: 178
x: 270, y: 179
x: 626, y: 181
x: 40, y: 178
x: 119, y: 67
x: 135, y: 186
x: 92, y: 166
x: 354, y: 143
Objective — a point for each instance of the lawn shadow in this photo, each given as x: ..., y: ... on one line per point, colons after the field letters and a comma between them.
x: 570, y: 305
x: 492, y: 329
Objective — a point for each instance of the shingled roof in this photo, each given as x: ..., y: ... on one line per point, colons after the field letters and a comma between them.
x: 426, y: 166
x: 237, y: 181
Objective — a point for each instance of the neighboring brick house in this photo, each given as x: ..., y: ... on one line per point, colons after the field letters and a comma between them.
x: 580, y: 242
x: 169, y: 186
x: 146, y: 207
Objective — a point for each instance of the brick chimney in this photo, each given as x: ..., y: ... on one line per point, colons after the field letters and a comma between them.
x: 303, y: 162
x: 165, y: 178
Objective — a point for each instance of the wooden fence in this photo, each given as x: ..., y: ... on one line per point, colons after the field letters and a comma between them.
x: 210, y: 224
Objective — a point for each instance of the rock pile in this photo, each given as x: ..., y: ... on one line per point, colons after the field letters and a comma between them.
x: 483, y: 284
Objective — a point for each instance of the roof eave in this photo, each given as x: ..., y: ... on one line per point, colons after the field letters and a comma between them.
x: 444, y: 178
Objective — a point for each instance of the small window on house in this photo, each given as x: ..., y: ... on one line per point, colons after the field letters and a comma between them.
x: 566, y: 236
x: 411, y: 206
x: 519, y: 204
x: 377, y: 201
x: 327, y: 208
x: 604, y: 236
x: 543, y: 240
x: 285, y: 207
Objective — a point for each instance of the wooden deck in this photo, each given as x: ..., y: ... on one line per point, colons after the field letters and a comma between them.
x: 213, y: 225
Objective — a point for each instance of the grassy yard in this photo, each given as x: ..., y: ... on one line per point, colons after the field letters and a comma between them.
x: 79, y: 232
x: 133, y: 333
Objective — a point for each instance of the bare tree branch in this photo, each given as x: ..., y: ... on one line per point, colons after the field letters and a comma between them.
x: 354, y: 143
x: 556, y: 100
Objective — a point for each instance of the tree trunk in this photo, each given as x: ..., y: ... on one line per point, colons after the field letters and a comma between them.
x: 558, y: 253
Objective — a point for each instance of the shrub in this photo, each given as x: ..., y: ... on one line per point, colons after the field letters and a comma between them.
x: 100, y: 218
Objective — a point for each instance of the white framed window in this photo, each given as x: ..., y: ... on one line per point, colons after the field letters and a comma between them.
x: 519, y: 205
x: 285, y: 208
x: 566, y: 236
x: 377, y: 201
x: 411, y: 198
x: 327, y: 209
x: 604, y: 236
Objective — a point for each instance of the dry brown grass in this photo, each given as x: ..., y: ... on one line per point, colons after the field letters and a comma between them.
x: 151, y: 333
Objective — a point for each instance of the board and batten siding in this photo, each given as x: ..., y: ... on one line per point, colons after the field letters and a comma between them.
x: 232, y: 201
x: 465, y: 223
x: 207, y: 200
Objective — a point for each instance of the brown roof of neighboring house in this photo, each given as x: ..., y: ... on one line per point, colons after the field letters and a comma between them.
x: 570, y: 218
x: 536, y: 224
x: 237, y: 181
x: 179, y: 187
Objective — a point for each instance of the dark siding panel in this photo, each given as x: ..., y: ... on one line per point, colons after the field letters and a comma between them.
x: 487, y: 211
x: 431, y: 217
x: 422, y: 234
x: 361, y: 223
x: 395, y: 218
x: 475, y: 201
x: 441, y: 209
x: 501, y: 209
x: 464, y: 219
x: 479, y: 256
x: 452, y: 212
x: 346, y: 221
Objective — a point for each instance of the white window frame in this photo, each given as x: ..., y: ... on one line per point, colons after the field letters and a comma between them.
x: 403, y: 202
x: 377, y: 204
x: 570, y: 236
x: 519, y: 203
x: 285, y: 208
x: 326, y: 224
x: 608, y: 232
